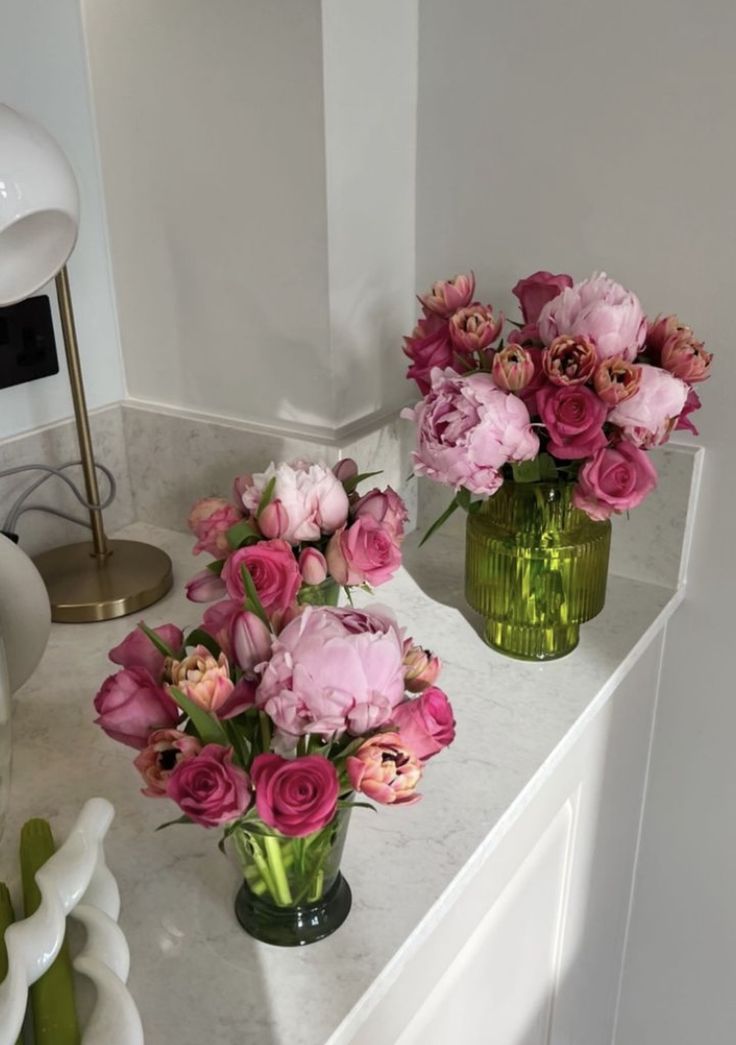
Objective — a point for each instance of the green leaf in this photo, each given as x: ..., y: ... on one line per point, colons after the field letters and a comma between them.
x: 242, y: 533
x: 463, y: 498
x: 200, y: 637
x: 357, y: 805
x: 252, y: 596
x: 179, y: 820
x: 351, y: 484
x: 208, y: 728
x: 547, y: 468
x: 266, y: 496
x: 215, y: 567
x: 452, y: 507
x: 527, y: 471
x: 158, y: 643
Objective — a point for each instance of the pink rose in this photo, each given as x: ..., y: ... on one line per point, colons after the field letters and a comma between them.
x: 447, y: 296
x: 512, y: 368
x: 599, y: 309
x: 326, y: 677
x: 428, y: 347
x: 217, y: 622
x: 209, y: 520
x: 467, y: 429
x: 385, y: 770
x: 569, y: 360
x: 131, y: 705
x: 365, y: 552
x: 209, y: 789
x: 536, y: 290
x: 421, y: 667
x: 616, y: 479
x: 312, y: 496
x: 203, y: 679
x: 137, y: 651
x: 692, y: 403
x: 475, y: 327
x: 204, y: 586
x: 296, y: 797
x: 427, y: 724
x: 386, y: 507
x: 615, y: 380
x: 313, y: 566
x: 251, y: 641
x: 166, y: 748
x: 648, y: 417
x: 274, y: 571
x: 573, y: 416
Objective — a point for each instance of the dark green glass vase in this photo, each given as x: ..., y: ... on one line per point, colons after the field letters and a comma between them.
x: 535, y: 568
x: 292, y: 893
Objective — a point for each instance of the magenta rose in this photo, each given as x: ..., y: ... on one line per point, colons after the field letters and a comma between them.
x: 209, y: 789
x: 165, y: 749
x: 296, y: 797
x: 648, y: 417
x: 448, y: 295
x: 386, y: 770
x: 131, y: 705
x: 599, y: 309
x: 386, y: 507
x: 274, y: 570
x: 536, y: 290
x: 616, y: 479
x: 427, y: 724
x: 365, y: 552
x: 137, y: 651
x: 428, y: 347
x: 573, y: 416
x: 209, y: 520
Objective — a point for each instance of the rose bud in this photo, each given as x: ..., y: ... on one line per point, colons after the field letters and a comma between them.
x: 205, y: 586
x: 166, y: 748
x: 512, y: 369
x: 203, y: 679
x: 536, y: 290
x: 615, y: 379
x: 685, y: 357
x: 569, y: 360
x: 137, y: 651
x: 131, y: 704
x: 345, y: 469
x: 251, y: 641
x: 447, y: 296
x: 475, y: 327
x: 209, y: 520
x: 421, y: 668
x: 313, y: 566
x: 426, y: 724
x: 209, y: 789
x: 386, y: 507
x: 273, y: 522
x: 385, y: 770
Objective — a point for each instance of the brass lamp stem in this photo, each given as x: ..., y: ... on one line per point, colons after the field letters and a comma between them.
x: 71, y: 348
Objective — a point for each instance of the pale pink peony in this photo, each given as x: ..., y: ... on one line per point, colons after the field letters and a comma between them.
x: 648, y: 417
x: 137, y: 651
x: 131, y: 704
x: 386, y: 770
x: 536, y: 290
x: 326, y: 677
x: 429, y: 346
x: 312, y: 496
x: 366, y: 552
x: 427, y: 724
x: 475, y: 327
x: 165, y: 749
x: 599, y: 309
x: 209, y: 520
x: 274, y: 572
x: 617, y: 479
x: 202, y: 678
x: 467, y: 429
x: 447, y: 296
x: 295, y: 796
x: 386, y: 507
x: 209, y: 789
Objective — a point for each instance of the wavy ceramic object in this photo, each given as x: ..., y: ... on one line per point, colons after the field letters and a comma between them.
x: 75, y: 881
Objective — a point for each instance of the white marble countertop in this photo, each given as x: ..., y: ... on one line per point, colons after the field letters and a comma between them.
x: 196, y: 976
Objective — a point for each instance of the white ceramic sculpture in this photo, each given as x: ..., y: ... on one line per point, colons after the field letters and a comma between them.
x: 77, y: 882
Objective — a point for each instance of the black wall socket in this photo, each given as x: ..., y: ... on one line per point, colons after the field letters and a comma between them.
x: 27, y: 342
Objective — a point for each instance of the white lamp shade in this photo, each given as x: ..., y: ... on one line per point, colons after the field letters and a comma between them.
x: 39, y: 207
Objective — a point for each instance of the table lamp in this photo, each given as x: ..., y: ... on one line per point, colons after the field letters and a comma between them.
x: 39, y: 218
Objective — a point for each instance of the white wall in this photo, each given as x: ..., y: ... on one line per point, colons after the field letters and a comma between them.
x: 43, y: 73
x: 584, y: 135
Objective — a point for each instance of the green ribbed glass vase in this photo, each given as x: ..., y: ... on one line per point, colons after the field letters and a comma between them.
x: 535, y: 568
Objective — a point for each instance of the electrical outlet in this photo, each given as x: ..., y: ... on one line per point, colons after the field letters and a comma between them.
x: 27, y: 342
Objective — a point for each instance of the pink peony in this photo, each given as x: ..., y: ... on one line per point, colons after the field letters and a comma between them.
x: 296, y: 797
x: 467, y: 429
x: 204, y: 586
x: 209, y: 520
x: 274, y: 522
x: 475, y: 327
x: 512, y: 368
x: 209, y: 789
x: 251, y: 641
x: 569, y: 360
x: 692, y: 403
x: 137, y: 651
x: 427, y: 724
x: 616, y: 479
x: 599, y: 309
x: 365, y: 552
x: 573, y: 416
x: 313, y: 566
x: 274, y: 571
x: 616, y: 379
x: 648, y: 417
x: 327, y: 677
x: 131, y: 704
x: 312, y: 496
x: 536, y: 291
x: 165, y: 749
x: 203, y: 679
x: 421, y: 667
x: 428, y: 347
x: 385, y: 770
x: 386, y: 507
x: 217, y: 622
x: 447, y: 296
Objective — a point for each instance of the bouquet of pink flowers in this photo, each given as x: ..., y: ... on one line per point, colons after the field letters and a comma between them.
x: 579, y: 391
x: 270, y: 717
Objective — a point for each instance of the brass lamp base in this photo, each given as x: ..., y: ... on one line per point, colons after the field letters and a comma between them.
x: 83, y: 587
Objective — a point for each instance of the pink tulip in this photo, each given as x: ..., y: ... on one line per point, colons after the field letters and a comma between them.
x: 131, y: 705
x: 675, y: 347
x: 366, y: 552
x: 512, y: 368
x: 615, y: 380
x: 345, y: 469
x: 137, y: 651
x: 313, y: 566
x: 209, y: 789
x: 601, y: 310
x: 251, y: 641
x: 428, y: 347
x: 427, y: 724
x: 648, y: 417
x: 475, y: 327
x: 615, y: 480
x: 569, y: 360
x: 217, y: 621
x: 273, y: 522
x: 385, y: 770
x: 204, y: 586
x: 421, y: 668
x: 447, y: 296
x: 295, y: 796
x: 202, y: 679
x: 536, y: 290
x: 166, y: 748
x: 386, y: 507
